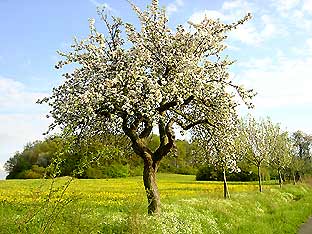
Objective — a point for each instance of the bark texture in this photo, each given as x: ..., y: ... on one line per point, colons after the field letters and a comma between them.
x: 294, y: 178
x: 138, y: 127
x: 280, y: 180
x: 225, y: 186
x: 150, y: 184
x: 139, y: 139
x: 259, y: 178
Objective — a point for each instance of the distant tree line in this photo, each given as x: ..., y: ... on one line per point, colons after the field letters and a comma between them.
x: 261, y: 151
x: 105, y: 156
x: 257, y: 150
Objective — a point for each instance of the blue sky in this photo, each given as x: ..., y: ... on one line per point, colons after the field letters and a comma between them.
x: 273, y: 53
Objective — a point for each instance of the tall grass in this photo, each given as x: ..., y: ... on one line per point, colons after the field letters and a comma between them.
x: 119, y: 206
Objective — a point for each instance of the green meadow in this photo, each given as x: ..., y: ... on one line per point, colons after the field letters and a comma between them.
x: 68, y: 205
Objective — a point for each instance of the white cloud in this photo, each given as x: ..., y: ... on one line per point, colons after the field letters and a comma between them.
x: 171, y: 8
x: 199, y: 16
x: 253, y: 32
x: 304, y: 49
x: 265, y: 63
x: 229, y: 5
x: 237, y: 9
x: 269, y: 27
x: 284, y: 89
x: 247, y: 34
x: 307, y: 6
x: 284, y: 6
x: 2, y: 172
x: 298, y: 14
x: 309, y: 44
x: 301, y: 21
x: 232, y: 47
x: 15, y: 97
x: 180, y: 2
x: 230, y: 11
x: 16, y: 130
x: 102, y: 5
x: 22, y: 120
x: 174, y: 6
x: 287, y: 83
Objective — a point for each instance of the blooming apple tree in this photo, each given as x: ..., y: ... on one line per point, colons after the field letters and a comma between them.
x: 260, y: 140
x: 218, y: 145
x: 153, y: 76
x: 281, y: 156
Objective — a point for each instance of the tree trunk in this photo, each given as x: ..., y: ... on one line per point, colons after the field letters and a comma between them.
x: 259, y: 178
x: 280, y: 180
x: 294, y: 178
x: 225, y: 187
x: 150, y: 184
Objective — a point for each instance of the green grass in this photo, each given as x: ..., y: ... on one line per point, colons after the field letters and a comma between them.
x: 119, y: 206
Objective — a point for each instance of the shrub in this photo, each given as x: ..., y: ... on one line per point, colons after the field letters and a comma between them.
x: 136, y: 171
x: 242, y: 176
x: 186, y: 170
x: 94, y: 173
x: 36, y: 172
x: 210, y: 173
x: 116, y: 170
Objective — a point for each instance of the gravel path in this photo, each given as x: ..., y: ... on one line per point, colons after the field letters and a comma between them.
x: 306, y: 228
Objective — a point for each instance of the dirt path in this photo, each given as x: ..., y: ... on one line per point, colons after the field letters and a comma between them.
x: 306, y: 228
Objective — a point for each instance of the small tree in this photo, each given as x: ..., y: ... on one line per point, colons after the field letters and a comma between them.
x: 218, y: 145
x: 160, y: 77
x: 301, y: 155
x: 280, y: 157
x: 296, y: 167
x: 303, y: 144
x: 260, y: 140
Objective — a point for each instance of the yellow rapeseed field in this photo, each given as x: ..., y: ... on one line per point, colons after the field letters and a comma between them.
x: 111, y: 191
x: 67, y: 205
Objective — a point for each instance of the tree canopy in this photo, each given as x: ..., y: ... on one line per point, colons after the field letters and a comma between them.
x: 155, y: 76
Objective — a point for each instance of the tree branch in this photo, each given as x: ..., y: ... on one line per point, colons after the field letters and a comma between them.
x: 134, y: 126
x: 128, y: 131
x: 168, y: 105
x: 162, y: 131
x: 148, y: 127
x: 164, y: 149
x: 138, y: 145
x: 188, y: 100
